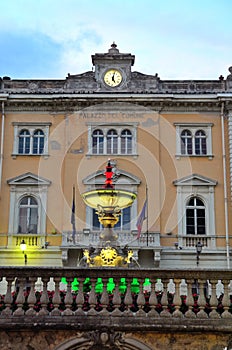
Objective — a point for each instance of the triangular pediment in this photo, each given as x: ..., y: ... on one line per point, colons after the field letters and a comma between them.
x: 121, y: 178
x: 195, y: 180
x: 28, y: 179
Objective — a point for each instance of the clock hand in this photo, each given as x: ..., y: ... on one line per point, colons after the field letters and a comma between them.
x: 113, y: 78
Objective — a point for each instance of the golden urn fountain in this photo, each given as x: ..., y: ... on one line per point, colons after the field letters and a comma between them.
x: 108, y: 203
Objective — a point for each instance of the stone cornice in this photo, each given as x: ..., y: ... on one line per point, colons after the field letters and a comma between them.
x: 162, y: 104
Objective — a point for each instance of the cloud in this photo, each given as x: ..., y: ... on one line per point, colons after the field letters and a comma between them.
x: 175, y: 39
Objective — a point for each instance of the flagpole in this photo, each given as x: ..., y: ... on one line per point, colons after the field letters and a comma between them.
x: 73, y: 219
x: 147, y: 211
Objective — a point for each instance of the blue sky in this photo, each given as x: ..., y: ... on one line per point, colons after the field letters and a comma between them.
x: 177, y: 39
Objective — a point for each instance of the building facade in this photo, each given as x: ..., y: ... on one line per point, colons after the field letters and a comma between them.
x: 169, y: 141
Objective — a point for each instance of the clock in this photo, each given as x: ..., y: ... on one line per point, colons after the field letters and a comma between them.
x: 113, y: 77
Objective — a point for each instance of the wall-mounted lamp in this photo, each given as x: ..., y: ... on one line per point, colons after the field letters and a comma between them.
x: 199, y: 246
x: 46, y: 244
x: 176, y: 244
x: 23, y: 247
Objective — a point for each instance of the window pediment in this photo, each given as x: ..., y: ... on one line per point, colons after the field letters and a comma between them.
x: 124, y: 178
x: 28, y: 179
x: 195, y: 180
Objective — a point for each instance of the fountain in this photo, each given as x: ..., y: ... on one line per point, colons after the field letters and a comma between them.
x: 108, y: 203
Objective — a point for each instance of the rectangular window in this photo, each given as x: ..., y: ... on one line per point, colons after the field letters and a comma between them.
x: 194, y: 139
x: 115, y: 138
x: 30, y: 138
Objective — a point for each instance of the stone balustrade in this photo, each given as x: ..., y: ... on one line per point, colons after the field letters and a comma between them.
x: 154, y: 297
x: 88, y: 237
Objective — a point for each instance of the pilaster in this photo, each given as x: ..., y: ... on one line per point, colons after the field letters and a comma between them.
x: 230, y: 146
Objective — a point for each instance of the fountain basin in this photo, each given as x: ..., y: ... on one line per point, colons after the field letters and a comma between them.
x: 109, y: 199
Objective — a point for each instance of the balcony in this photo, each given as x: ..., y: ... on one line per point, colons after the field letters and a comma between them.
x: 32, y: 240
x: 190, y: 241
x: 88, y: 237
x: 119, y: 299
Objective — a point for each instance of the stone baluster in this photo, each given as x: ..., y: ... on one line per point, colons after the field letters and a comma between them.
x: 226, y: 300
x: 153, y: 300
x: 31, y: 297
x: 140, y: 299
x: 214, y: 300
x: 56, y: 298
x: 190, y: 299
x: 68, y: 300
x: 80, y: 298
x: 44, y: 298
x: 164, y: 300
x: 171, y: 288
x: 92, y: 298
x: 104, y: 297
x: 201, y: 300
x: 177, y: 299
x: 128, y: 298
x: 20, y: 298
x: 159, y: 289
x: 117, y: 298
x: 8, y: 298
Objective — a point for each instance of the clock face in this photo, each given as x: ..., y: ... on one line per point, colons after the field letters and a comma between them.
x: 113, y: 77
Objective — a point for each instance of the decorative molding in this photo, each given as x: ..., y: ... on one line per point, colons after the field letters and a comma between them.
x: 202, y: 187
x: 102, y: 339
x: 75, y: 103
x: 27, y: 184
x: 28, y: 179
x: 195, y: 180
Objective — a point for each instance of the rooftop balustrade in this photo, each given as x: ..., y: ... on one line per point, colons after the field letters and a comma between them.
x: 116, y: 297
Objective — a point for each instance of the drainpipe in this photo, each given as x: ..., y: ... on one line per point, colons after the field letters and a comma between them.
x: 2, y: 143
x: 225, y: 186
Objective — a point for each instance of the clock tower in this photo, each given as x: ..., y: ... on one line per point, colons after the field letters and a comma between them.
x: 113, y: 69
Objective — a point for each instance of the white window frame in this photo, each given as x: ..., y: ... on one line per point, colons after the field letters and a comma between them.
x: 194, y: 208
x: 118, y: 127
x: 38, y: 137
x: 31, y: 127
x: 27, y: 208
x: 98, y: 147
x: 23, y: 186
x: 193, y: 128
x: 203, y: 188
x: 127, y: 140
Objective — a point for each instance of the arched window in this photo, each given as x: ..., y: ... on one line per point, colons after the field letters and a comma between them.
x: 97, y: 141
x: 112, y: 142
x: 126, y: 142
x: 24, y: 142
x: 195, y: 217
x: 186, y: 142
x: 28, y: 215
x: 200, y: 142
x: 38, y: 142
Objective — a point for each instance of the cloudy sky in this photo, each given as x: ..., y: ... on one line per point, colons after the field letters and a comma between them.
x: 178, y: 39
